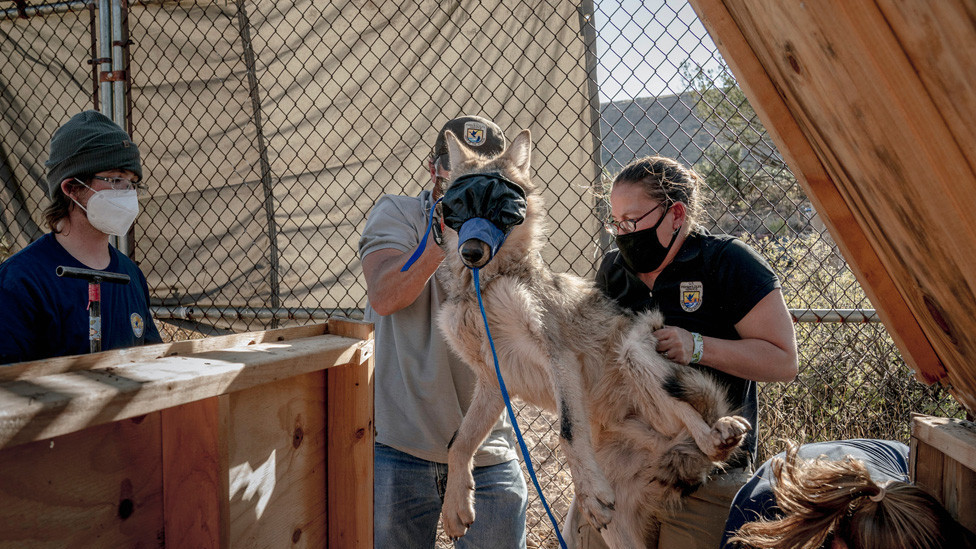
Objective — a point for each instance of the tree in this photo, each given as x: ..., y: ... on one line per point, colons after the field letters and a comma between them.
x: 722, y: 104
x: 742, y: 167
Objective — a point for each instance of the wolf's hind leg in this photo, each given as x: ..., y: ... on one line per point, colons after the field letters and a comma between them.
x: 725, y: 432
x: 634, y: 523
x: 594, y: 494
x: 457, y: 513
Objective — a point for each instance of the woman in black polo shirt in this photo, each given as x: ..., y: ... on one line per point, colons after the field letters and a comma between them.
x: 723, y: 308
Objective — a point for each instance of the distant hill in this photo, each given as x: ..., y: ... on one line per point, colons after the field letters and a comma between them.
x: 665, y: 126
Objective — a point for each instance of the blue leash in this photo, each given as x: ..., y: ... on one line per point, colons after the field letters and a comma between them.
x: 423, y: 243
x: 511, y: 415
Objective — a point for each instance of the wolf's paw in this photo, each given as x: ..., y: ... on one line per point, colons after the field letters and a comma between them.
x: 726, y: 435
x: 457, y: 514
x: 597, y: 506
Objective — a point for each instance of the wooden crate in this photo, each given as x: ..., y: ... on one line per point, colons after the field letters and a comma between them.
x: 250, y: 440
x: 943, y: 462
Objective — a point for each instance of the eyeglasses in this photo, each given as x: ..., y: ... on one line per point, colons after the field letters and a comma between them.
x: 441, y: 173
x: 120, y: 183
x: 627, y: 225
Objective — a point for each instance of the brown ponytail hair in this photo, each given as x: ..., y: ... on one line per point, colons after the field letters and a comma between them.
x: 665, y: 181
x: 823, y: 498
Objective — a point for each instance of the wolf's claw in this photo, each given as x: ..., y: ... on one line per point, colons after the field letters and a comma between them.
x: 457, y: 514
x: 597, y: 510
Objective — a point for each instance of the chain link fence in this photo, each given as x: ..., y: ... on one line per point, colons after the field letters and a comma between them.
x: 269, y: 129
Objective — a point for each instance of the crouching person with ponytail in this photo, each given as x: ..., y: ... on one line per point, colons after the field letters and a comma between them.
x: 849, y: 494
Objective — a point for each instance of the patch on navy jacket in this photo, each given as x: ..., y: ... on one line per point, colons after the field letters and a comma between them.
x: 138, y: 324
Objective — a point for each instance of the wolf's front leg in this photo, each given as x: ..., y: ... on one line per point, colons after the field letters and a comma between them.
x: 457, y: 514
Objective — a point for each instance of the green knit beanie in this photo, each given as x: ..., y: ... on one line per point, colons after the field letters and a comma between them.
x: 87, y: 144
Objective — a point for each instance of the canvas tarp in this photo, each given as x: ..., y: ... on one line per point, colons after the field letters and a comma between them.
x: 269, y: 129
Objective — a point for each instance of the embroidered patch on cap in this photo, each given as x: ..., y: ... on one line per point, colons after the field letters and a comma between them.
x: 138, y: 325
x: 691, y: 296
x: 475, y: 133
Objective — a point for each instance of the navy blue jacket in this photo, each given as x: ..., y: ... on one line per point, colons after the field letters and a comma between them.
x: 43, y: 315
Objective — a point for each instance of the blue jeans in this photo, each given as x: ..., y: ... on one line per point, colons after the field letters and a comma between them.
x: 408, y: 493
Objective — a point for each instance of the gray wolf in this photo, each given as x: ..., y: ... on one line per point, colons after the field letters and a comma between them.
x: 637, y: 429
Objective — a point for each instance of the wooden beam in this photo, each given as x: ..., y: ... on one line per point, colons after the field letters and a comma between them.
x: 763, y: 57
x: 105, y: 359
x: 350, y: 450
x: 954, y: 438
x: 38, y: 408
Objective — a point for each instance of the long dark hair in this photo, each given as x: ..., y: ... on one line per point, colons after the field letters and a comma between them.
x: 61, y: 205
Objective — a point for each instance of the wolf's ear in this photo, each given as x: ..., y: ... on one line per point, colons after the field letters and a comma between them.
x: 520, y: 151
x: 456, y: 153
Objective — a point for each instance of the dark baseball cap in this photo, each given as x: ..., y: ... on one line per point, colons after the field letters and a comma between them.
x: 478, y: 134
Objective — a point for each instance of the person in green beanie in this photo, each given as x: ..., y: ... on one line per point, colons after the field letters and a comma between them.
x: 94, y: 176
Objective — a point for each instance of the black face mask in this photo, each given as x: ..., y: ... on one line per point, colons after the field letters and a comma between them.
x: 642, y: 250
x: 484, y: 207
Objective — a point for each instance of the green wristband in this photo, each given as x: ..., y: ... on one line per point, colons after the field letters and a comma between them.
x: 696, y: 355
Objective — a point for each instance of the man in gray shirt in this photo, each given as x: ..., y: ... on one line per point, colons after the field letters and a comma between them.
x: 422, y: 389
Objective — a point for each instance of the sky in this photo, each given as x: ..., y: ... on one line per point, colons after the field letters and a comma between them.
x: 641, y: 45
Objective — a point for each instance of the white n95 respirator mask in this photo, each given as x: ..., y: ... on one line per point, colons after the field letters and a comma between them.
x: 112, y: 211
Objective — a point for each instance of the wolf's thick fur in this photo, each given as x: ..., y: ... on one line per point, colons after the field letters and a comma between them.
x: 637, y: 429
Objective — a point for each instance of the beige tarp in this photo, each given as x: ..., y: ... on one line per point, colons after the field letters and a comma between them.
x: 269, y: 129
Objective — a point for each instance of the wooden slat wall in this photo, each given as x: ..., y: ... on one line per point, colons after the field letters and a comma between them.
x: 252, y: 440
x: 872, y: 104
x: 101, y: 487
x: 943, y: 463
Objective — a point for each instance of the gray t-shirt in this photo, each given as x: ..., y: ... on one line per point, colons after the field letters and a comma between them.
x: 422, y: 389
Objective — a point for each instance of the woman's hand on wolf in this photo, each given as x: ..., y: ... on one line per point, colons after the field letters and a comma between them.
x: 677, y: 344
x: 765, y: 350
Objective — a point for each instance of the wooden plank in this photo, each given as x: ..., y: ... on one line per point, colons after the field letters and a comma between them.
x: 350, y: 450
x: 959, y: 485
x: 106, y: 359
x: 98, y: 488
x: 955, y: 438
x: 34, y: 409
x: 927, y: 468
x: 276, y: 458
x: 930, y: 33
x: 348, y: 327
x: 847, y: 95
x: 194, y: 459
